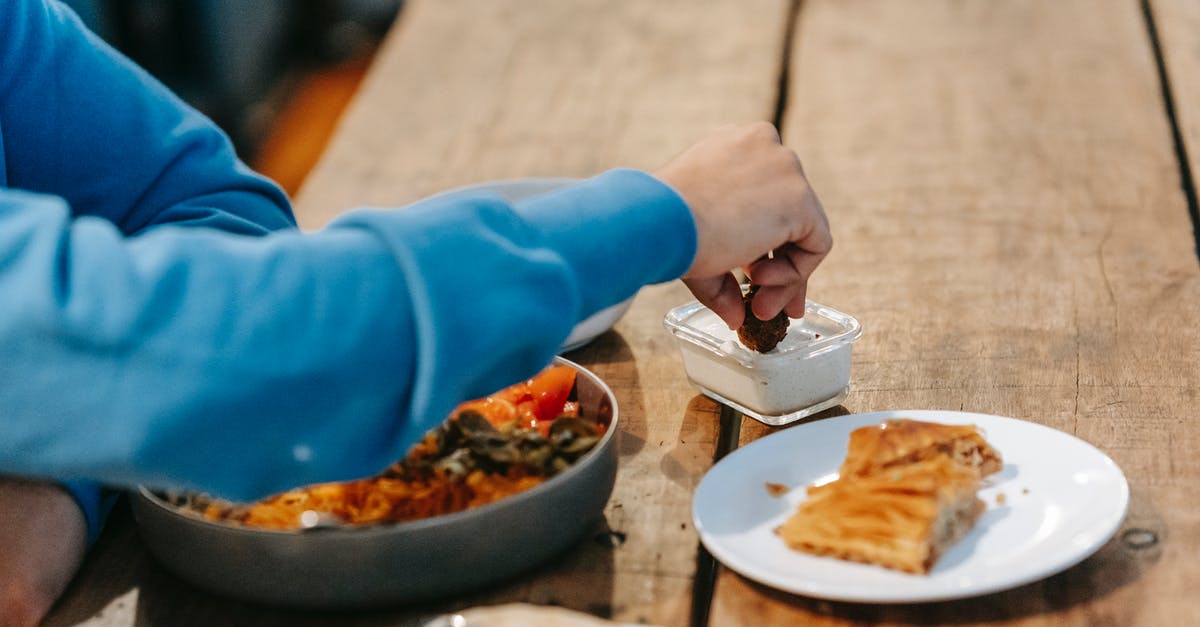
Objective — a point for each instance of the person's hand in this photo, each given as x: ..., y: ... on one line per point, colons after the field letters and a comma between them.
x: 749, y: 197
x: 42, y: 540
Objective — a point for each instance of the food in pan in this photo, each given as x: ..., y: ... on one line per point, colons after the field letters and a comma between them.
x: 906, y: 492
x: 488, y: 449
x: 761, y: 335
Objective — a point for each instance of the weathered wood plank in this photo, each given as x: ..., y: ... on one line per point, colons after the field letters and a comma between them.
x: 1178, y: 26
x: 464, y: 92
x: 1011, y: 231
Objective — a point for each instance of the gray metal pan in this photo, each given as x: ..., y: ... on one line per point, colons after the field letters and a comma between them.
x: 399, y: 563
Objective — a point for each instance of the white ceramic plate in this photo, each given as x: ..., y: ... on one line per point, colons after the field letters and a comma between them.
x: 1063, y: 499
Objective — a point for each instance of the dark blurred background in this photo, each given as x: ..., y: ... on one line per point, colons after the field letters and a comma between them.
x: 258, y: 69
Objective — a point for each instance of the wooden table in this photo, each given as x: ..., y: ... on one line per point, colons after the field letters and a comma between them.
x: 1009, y: 183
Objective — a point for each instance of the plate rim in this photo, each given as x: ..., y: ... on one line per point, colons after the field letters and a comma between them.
x: 819, y: 590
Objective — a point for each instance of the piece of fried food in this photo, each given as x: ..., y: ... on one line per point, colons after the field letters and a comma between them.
x: 902, y: 519
x: 761, y: 335
x: 877, y: 448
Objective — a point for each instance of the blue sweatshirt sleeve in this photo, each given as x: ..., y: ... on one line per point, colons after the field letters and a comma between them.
x: 79, y: 120
x: 243, y: 366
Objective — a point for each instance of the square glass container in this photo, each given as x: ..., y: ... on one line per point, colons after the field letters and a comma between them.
x: 807, y: 372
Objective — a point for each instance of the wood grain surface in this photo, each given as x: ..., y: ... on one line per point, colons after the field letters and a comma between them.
x: 1178, y: 25
x: 1012, y: 234
x: 464, y: 92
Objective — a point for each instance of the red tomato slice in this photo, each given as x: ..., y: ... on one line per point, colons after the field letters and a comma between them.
x: 535, y: 403
x: 550, y: 390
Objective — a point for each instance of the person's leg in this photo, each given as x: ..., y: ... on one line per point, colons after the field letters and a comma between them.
x: 43, y: 537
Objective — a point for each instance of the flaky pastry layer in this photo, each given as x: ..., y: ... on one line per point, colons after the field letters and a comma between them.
x: 902, y: 519
x: 900, y: 442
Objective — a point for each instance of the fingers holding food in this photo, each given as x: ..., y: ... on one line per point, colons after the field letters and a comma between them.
x: 757, y: 334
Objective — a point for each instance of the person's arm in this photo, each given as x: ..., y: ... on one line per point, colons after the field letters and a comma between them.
x: 244, y: 366
x: 241, y: 365
x: 81, y: 121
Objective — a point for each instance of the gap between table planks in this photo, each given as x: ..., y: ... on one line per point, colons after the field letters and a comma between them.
x: 1177, y: 24
x: 1012, y: 233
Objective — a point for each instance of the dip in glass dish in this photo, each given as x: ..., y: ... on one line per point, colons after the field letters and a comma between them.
x: 808, y: 371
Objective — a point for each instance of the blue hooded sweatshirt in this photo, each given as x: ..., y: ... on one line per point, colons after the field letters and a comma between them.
x: 163, y: 322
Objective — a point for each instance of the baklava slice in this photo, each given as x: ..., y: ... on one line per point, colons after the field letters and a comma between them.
x: 899, y: 442
x: 902, y: 519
